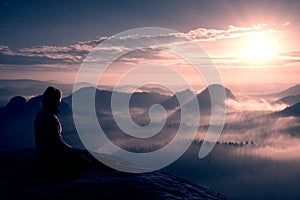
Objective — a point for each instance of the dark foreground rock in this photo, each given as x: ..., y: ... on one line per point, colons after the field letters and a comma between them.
x: 19, y: 179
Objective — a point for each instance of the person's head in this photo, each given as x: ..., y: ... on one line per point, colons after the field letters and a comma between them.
x: 51, y: 98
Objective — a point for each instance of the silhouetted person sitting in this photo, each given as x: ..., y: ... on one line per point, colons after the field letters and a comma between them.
x: 54, y: 155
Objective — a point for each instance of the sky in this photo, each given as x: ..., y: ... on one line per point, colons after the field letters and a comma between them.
x: 250, y: 42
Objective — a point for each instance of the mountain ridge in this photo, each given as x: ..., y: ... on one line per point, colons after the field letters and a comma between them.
x: 289, y: 100
x: 294, y: 90
x: 293, y: 110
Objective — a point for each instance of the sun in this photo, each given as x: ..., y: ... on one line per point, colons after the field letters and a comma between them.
x: 260, y: 47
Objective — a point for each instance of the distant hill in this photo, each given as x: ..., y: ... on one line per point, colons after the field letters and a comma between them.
x: 289, y: 100
x: 16, y: 124
x: 203, y: 97
x: 17, y: 119
x: 156, y: 89
x: 5, y: 96
x: 205, y: 101
x: 173, y: 102
x: 144, y: 100
x: 293, y: 110
x: 149, y: 88
x: 26, y: 87
x: 19, y: 83
x: 291, y: 91
x: 137, y: 100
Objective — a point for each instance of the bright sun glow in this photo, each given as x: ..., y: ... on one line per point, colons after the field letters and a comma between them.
x: 260, y: 47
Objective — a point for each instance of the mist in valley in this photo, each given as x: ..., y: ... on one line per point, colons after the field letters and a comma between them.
x: 257, y: 155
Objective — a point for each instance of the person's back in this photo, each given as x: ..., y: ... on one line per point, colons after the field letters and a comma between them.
x: 47, y: 135
x: 47, y: 128
x: 53, y: 153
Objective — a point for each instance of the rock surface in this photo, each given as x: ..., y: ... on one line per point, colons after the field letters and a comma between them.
x: 19, y: 179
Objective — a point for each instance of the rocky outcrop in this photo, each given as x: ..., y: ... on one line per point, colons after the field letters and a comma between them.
x: 19, y: 179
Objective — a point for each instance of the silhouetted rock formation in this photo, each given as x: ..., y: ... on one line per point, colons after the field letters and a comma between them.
x: 19, y: 180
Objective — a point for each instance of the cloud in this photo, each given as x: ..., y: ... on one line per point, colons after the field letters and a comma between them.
x: 251, y: 119
x: 273, y: 137
x: 5, y: 50
x: 15, y: 59
x: 152, y: 42
x: 204, y: 34
x: 252, y: 104
x: 283, y: 147
x: 72, y: 54
x: 247, y: 62
x: 75, y: 54
x: 295, y: 53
